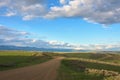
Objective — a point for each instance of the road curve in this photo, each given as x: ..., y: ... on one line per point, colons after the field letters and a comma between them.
x: 43, y: 71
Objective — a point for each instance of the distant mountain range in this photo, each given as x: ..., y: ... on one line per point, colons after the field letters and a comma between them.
x: 8, y: 47
x: 3, y: 47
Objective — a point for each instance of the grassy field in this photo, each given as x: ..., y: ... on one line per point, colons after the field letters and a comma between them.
x: 67, y: 73
x: 90, y: 66
x: 15, y: 59
x: 78, y: 69
x: 75, y: 66
x: 107, y: 57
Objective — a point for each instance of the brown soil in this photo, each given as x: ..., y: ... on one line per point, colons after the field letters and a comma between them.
x: 43, y: 71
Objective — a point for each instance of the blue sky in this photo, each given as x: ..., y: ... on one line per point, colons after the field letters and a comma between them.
x: 60, y: 25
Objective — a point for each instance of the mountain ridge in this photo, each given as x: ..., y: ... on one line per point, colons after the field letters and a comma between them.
x: 9, y: 47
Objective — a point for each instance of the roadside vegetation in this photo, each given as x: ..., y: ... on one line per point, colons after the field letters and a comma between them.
x: 15, y: 59
x: 81, y: 69
x: 90, y: 66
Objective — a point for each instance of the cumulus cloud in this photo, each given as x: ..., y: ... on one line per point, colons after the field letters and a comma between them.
x: 98, y: 11
x: 28, y: 9
x: 14, y: 37
x: 103, y: 47
x: 63, y: 1
x: 11, y: 33
x: 10, y: 36
x: 60, y: 44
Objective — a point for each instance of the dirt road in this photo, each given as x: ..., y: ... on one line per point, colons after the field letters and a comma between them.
x: 43, y: 71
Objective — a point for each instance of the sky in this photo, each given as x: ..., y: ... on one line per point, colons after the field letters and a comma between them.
x: 70, y: 24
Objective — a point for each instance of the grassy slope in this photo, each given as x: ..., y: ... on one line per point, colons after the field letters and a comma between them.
x: 115, y: 58
x: 14, y: 59
x: 68, y: 73
x: 71, y: 70
x: 98, y: 66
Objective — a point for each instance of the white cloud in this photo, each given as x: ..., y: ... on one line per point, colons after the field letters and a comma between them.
x: 10, y: 36
x: 63, y: 1
x: 10, y: 14
x: 60, y: 44
x: 3, y: 3
x: 28, y: 9
x: 33, y: 11
x: 98, y: 47
x: 98, y: 11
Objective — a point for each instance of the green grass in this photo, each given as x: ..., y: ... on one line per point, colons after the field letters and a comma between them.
x: 107, y: 57
x: 15, y: 59
x: 85, y: 69
x: 78, y: 55
x: 92, y: 64
x: 69, y: 73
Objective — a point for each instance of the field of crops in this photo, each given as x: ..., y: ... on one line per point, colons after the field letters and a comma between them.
x: 90, y: 66
x: 14, y: 59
